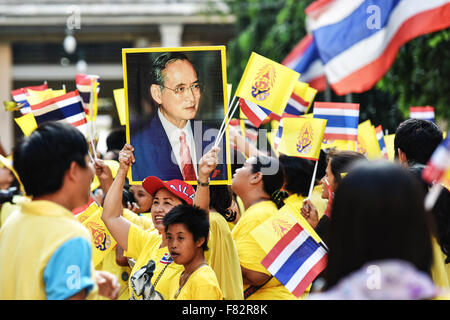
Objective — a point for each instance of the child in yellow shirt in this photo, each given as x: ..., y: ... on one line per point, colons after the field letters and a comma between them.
x: 187, y: 230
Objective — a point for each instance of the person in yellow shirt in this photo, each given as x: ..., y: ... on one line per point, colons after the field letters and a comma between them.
x: 45, y: 253
x: 257, y: 183
x: 153, y: 275
x: 187, y: 230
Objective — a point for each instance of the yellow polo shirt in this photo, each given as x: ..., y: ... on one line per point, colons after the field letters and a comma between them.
x: 45, y: 253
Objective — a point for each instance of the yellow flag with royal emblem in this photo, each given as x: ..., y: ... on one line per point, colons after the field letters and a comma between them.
x: 367, y: 141
x: 267, y: 83
x: 302, y: 137
x: 101, y: 239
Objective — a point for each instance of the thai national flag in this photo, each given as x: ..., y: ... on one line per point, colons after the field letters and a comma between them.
x: 20, y: 96
x: 296, y: 105
x: 424, y: 113
x: 255, y: 113
x: 66, y: 108
x: 296, y: 260
x: 439, y: 163
x: 342, y: 119
x: 305, y: 59
x: 380, y: 138
x: 84, y: 87
x: 358, y: 40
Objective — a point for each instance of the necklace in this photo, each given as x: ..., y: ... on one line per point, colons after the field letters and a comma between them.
x: 187, y: 278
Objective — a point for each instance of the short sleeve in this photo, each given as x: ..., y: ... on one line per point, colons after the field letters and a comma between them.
x: 69, y: 270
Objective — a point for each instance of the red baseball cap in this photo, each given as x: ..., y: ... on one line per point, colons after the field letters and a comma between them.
x: 177, y: 187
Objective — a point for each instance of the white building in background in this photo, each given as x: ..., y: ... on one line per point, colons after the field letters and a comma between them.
x: 52, y: 40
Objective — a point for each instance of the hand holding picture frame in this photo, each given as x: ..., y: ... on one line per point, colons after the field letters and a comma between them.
x: 176, y: 100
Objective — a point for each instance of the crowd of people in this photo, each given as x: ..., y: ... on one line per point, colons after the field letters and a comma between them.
x: 176, y: 241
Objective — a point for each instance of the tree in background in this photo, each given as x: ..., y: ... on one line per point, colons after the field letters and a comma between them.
x: 418, y: 77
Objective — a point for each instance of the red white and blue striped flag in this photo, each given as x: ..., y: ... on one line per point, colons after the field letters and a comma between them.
x: 305, y: 59
x: 84, y: 87
x: 66, y: 108
x: 255, y: 113
x: 342, y: 119
x: 296, y: 260
x: 20, y: 96
x: 358, y: 40
x: 424, y: 113
x: 439, y: 163
x: 380, y: 138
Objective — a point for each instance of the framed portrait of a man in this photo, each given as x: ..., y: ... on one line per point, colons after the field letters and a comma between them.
x: 176, y: 100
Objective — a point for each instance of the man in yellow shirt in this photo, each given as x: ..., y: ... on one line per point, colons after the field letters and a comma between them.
x: 45, y: 253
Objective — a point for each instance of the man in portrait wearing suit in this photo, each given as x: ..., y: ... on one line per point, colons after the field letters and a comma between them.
x: 173, y: 143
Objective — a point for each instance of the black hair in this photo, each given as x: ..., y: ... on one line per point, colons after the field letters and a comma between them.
x: 342, y: 161
x: 42, y: 159
x: 116, y: 139
x: 369, y: 211
x: 194, y: 218
x: 418, y: 139
x: 161, y: 63
x: 322, y: 165
x: 272, y: 177
x: 299, y: 173
x: 441, y: 214
x: 220, y: 199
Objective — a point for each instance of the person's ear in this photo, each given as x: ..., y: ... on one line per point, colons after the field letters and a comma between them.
x: 402, y: 157
x: 200, y: 242
x: 72, y: 172
x: 155, y: 91
x: 256, y: 178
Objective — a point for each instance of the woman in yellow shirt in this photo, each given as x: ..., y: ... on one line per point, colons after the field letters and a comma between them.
x: 154, y: 275
x: 257, y: 183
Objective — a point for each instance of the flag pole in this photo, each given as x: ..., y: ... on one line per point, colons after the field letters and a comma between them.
x: 92, y: 119
x: 228, y: 114
x: 432, y: 196
x: 220, y: 134
x: 311, y: 187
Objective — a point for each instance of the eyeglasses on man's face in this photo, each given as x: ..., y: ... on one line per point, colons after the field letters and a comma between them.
x: 182, y: 89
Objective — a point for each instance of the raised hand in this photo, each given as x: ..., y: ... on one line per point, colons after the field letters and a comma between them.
x: 309, y: 212
x: 126, y: 157
x: 207, y: 164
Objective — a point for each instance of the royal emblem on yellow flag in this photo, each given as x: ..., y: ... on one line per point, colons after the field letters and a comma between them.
x: 302, y: 137
x: 102, y: 241
x: 267, y: 83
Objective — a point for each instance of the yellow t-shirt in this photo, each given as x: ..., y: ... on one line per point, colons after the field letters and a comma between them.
x: 223, y: 258
x: 251, y: 254
x: 144, y: 246
x: 121, y: 272
x: 201, y: 285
